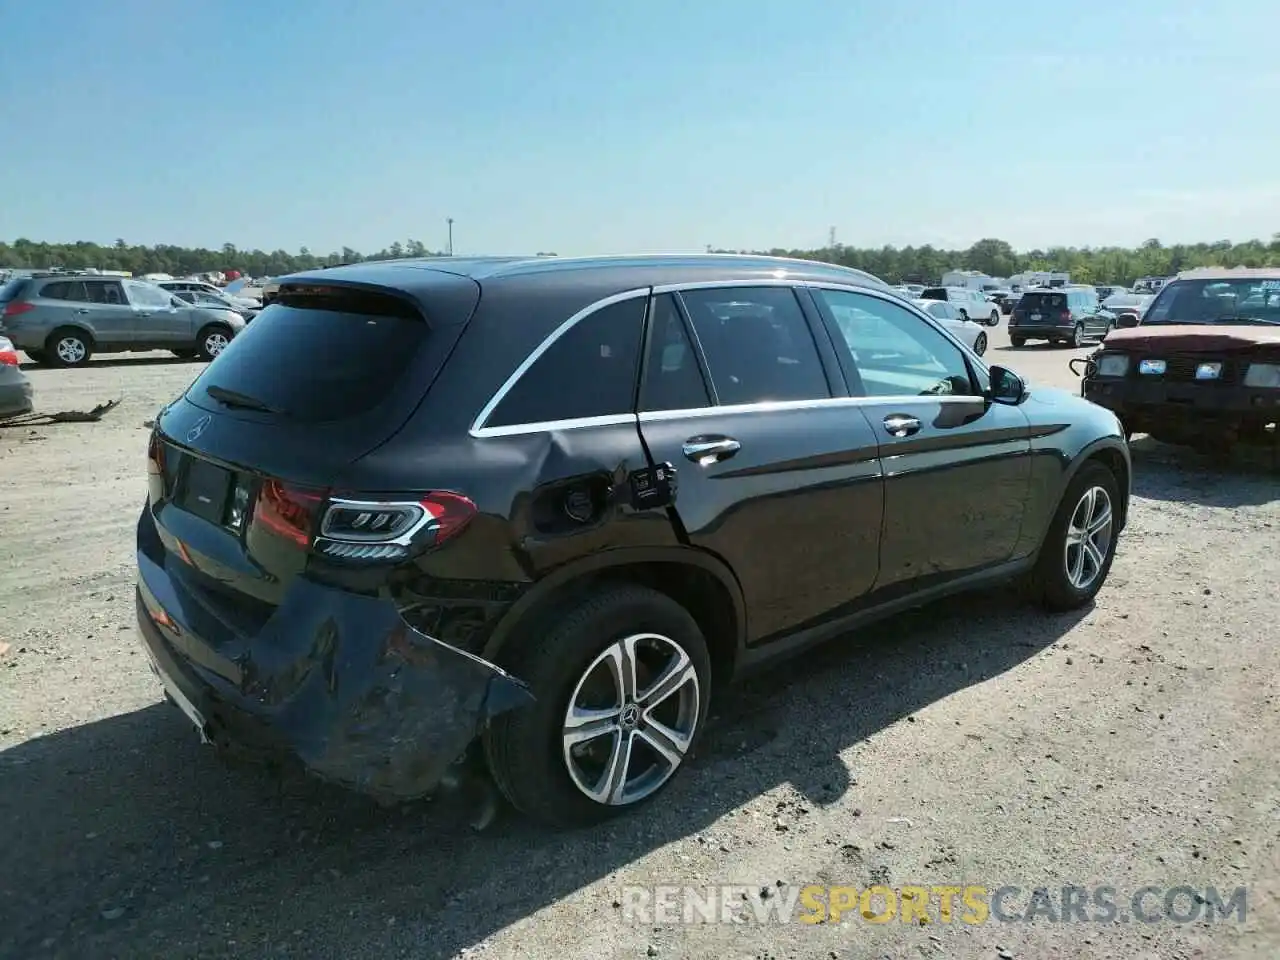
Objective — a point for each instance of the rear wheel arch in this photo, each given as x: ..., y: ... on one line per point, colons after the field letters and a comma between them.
x: 699, y: 582
x: 68, y: 329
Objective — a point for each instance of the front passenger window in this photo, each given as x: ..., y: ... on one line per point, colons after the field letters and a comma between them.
x: 895, y: 352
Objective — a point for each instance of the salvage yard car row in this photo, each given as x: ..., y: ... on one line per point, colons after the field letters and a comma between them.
x: 949, y: 737
x: 568, y: 570
x: 63, y: 319
x: 693, y: 391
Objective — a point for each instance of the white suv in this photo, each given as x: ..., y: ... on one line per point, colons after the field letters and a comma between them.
x: 972, y: 304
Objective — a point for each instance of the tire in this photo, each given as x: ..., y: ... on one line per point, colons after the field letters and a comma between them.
x: 526, y: 750
x: 212, y: 340
x: 68, y: 347
x: 980, y: 344
x: 1018, y: 341
x: 995, y: 319
x: 185, y: 353
x: 1052, y: 581
x: 1077, y: 336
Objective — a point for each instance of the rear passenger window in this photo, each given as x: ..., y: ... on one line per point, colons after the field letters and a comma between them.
x: 757, y: 344
x: 56, y: 291
x: 589, y: 371
x: 672, y: 380
x: 100, y: 292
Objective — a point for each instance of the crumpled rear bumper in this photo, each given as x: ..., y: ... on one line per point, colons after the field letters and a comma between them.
x: 333, y: 679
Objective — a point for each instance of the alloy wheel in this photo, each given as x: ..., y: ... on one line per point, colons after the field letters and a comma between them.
x: 71, y: 350
x: 1088, y: 538
x: 215, y: 343
x: 631, y: 719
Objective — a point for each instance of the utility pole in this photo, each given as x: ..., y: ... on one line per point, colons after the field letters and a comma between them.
x: 449, y: 221
x: 831, y: 238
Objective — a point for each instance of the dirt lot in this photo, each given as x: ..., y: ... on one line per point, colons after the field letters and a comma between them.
x: 977, y: 742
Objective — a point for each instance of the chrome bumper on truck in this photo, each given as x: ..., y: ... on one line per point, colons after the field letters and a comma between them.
x: 333, y: 679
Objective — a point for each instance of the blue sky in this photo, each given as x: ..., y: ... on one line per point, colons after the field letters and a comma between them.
x: 585, y: 126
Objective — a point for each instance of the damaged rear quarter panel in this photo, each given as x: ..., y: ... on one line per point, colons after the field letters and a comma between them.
x: 342, y: 682
x: 366, y: 699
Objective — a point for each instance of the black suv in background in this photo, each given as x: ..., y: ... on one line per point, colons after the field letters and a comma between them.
x: 1067, y: 315
x: 549, y: 506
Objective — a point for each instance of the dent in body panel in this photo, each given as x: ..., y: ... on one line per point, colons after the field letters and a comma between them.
x: 525, y: 529
x: 571, y: 496
x: 337, y: 680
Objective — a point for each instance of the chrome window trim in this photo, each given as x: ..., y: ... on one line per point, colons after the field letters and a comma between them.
x: 782, y: 406
x: 552, y: 426
x: 479, y: 431
x: 478, y: 428
x: 746, y: 283
x: 763, y: 407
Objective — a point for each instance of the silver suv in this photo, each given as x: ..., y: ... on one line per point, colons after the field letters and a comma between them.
x: 63, y: 319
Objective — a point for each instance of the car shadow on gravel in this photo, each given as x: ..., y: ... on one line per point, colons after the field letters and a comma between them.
x: 125, y: 837
x: 114, y: 360
x: 1247, y: 476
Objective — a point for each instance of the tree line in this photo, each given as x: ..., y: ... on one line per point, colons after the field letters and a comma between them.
x: 894, y: 264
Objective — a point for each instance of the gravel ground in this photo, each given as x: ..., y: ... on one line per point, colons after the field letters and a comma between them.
x: 976, y: 742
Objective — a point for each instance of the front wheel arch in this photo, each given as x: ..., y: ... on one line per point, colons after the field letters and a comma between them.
x: 1108, y: 452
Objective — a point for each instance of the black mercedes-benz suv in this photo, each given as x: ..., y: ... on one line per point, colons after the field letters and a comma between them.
x: 538, y: 510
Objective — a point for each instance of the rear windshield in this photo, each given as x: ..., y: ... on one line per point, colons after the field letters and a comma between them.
x: 934, y: 293
x: 1044, y: 301
x: 322, y: 356
x: 11, y: 289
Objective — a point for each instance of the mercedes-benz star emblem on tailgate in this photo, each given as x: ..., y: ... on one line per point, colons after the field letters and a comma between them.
x: 194, y: 433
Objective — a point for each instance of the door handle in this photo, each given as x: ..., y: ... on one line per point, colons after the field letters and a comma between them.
x: 708, y: 450
x: 82, y: 310
x: 144, y: 313
x: 901, y: 425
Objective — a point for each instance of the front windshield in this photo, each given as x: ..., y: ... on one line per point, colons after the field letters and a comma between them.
x: 1217, y: 301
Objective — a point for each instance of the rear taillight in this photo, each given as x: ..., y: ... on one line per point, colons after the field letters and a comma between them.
x: 8, y: 355
x: 1065, y: 316
x: 371, y: 530
x: 155, y: 456
x: 15, y: 308
x: 155, y: 469
x: 289, y: 512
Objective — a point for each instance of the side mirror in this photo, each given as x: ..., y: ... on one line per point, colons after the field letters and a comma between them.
x: 1125, y: 320
x: 1006, y: 387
